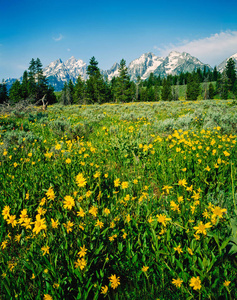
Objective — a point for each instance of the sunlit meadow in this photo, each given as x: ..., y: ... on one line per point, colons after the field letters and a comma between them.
x: 119, y: 201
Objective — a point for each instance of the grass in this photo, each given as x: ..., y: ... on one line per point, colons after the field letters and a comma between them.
x: 119, y: 201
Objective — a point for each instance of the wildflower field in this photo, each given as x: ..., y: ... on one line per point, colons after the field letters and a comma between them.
x: 119, y: 201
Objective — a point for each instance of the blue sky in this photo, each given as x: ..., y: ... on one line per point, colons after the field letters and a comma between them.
x: 112, y: 30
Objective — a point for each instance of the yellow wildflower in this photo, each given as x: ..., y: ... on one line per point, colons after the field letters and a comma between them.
x: 226, y: 283
x: 45, y: 250
x: 47, y: 297
x: 201, y: 228
x: 6, y: 212
x: 195, y: 282
x: 218, y: 211
x: 82, y: 252
x: 145, y: 268
x: 99, y: 224
x: 80, y: 180
x: 177, y: 282
x: 50, y: 194
x: 93, y: 211
x: 115, y: 281
x: 68, y: 202
x: 162, y: 219
x: 68, y: 226
x: 104, y: 289
x: 167, y: 188
x: 178, y: 249
x: 117, y: 182
x: 81, y: 213
x: 39, y: 224
x: 81, y: 263
x: 54, y: 223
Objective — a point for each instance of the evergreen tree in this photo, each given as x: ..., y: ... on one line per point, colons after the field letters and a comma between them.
x: 215, y: 74
x: 150, y: 94
x: 156, y: 93
x: 71, y: 86
x: 193, y: 87
x: 66, y: 96
x: 15, y: 92
x: 32, y: 89
x: 124, y: 91
x: 211, y: 91
x: 51, y: 97
x: 79, y: 96
x: 138, y: 88
x: 224, y: 85
x: 95, y: 85
x: 24, y: 85
x: 3, y: 92
x: 41, y: 81
x: 175, y: 95
x: 150, y: 80
x: 143, y: 95
x: 166, y: 93
x: 230, y: 72
x: 235, y: 89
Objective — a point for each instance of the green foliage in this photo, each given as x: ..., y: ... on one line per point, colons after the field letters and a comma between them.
x: 123, y: 88
x: 95, y: 85
x: 149, y: 189
x: 15, y: 94
x: 3, y: 93
x: 193, y: 87
x: 231, y: 73
x: 166, y: 94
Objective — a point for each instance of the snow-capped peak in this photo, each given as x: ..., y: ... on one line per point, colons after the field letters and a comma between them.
x: 222, y: 65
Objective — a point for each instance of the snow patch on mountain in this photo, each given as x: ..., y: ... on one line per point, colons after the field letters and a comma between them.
x: 222, y: 65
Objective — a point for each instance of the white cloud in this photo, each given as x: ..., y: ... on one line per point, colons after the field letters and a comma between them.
x: 211, y: 50
x: 59, y: 38
x: 68, y: 49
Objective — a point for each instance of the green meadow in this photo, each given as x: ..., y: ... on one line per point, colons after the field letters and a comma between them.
x: 119, y: 201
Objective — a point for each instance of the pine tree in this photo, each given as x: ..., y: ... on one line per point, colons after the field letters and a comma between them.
x: 71, y: 86
x: 32, y: 89
x: 66, y: 96
x: 193, y: 86
x: 138, y: 88
x: 79, y: 96
x: 211, y: 91
x: 3, y: 92
x: 51, y: 97
x: 24, y: 85
x: 41, y: 81
x: 15, y: 92
x: 166, y: 94
x: 156, y: 92
x: 215, y: 74
x: 224, y: 85
x: 124, y: 91
x: 95, y: 85
x: 231, y: 73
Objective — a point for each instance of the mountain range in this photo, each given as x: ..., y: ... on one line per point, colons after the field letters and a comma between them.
x: 59, y: 72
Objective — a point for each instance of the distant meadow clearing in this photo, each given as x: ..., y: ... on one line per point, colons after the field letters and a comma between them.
x: 119, y: 201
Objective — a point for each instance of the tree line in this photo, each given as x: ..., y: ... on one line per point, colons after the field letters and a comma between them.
x: 97, y: 89
x: 33, y: 86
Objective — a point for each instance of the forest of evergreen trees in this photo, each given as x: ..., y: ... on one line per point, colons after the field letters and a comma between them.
x: 32, y: 87
x: 199, y: 84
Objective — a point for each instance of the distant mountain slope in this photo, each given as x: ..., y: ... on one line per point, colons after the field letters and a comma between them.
x: 222, y: 65
x: 177, y: 62
x: 59, y: 72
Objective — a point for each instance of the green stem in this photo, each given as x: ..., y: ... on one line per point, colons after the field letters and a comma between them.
x: 233, y: 189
